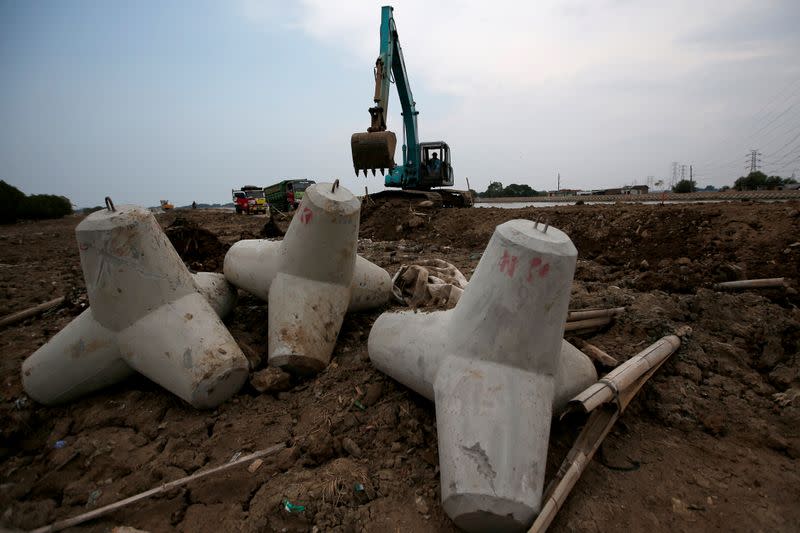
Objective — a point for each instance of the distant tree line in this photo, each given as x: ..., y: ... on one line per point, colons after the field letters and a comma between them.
x: 496, y: 190
x: 685, y: 186
x: 758, y: 180
x: 15, y: 205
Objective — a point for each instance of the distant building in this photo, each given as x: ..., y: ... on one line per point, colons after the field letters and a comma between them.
x: 563, y: 192
x: 609, y: 192
x: 636, y: 189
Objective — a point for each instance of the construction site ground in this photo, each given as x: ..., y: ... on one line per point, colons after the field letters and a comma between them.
x: 711, y: 443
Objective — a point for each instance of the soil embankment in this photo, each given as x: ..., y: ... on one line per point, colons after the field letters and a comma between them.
x: 712, y: 442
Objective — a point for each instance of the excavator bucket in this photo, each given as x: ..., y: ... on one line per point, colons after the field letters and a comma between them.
x: 373, y: 151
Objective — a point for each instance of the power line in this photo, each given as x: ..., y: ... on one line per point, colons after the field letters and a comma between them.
x: 776, y: 152
x: 768, y: 137
x: 784, y: 165
x: 791, y: 83
x: 766, y: 116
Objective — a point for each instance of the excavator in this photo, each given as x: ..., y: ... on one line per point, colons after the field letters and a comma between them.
x: 426, y: 165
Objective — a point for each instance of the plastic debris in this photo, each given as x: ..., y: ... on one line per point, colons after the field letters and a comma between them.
x: 59, y: 444
x: 93, y: 496
x: 292, y: 508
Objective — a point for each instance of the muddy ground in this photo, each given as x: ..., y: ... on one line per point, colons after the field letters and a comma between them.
x: 711, y: 443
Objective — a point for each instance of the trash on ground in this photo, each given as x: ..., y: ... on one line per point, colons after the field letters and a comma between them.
x: 292, y: 508
x: 429, y: 283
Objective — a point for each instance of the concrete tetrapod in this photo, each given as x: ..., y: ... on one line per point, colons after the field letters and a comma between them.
x: 492, y: 366
x: 147, y: 313
x: 310, y: 279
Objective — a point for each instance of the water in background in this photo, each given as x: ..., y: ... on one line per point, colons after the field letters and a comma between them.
x: 518, y: 205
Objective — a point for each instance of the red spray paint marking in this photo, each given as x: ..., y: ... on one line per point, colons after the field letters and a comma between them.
x: 508, y: 263
x: 306, y: 215
x: 543, y: 269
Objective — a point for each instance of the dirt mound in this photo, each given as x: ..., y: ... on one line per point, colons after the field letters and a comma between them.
x: 670, y: 247
x: 396, y: 218
x: 271, y: 230
x: 200, y: 249
x: 710, y: 443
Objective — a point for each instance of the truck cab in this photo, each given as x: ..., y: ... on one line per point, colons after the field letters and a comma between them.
x: 250, y: 200
x: 287, y: 194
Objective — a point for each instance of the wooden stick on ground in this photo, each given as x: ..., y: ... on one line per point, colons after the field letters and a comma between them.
x: 13, y: 318
x: 625, y: 375
x: 596, y: 353
x: 592, y: 323
x: 80, y: 519
x: 750, y: 284
x: 593, y: 313
x: 600, y: 422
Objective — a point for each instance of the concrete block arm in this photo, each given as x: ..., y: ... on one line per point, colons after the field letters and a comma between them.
x: 81, y: 358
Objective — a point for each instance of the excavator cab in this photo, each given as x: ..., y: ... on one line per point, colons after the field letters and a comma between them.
x: 435, y: 169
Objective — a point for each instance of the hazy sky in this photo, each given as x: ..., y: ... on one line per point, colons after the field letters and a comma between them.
x: 184, y: 101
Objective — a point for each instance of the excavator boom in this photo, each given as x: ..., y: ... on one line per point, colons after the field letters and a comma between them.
x: 374, y: 149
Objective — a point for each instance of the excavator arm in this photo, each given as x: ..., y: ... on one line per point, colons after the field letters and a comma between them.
x: 374, y: 150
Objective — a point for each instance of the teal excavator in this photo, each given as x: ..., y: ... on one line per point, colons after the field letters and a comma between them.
x: 426, y: 165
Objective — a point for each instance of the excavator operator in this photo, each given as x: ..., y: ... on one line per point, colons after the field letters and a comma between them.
x: 434, y: 165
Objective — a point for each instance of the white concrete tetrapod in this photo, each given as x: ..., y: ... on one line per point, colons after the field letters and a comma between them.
x: 493, y: 365
x: 252, y: 265
x: 147, y: 314
x: 310, y: 279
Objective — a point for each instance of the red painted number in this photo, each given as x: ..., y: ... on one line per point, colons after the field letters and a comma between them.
x: 508, y: 263
x: 306, y: 215
x: 537, y: 266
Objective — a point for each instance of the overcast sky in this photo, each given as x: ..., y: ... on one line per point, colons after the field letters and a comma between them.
x: 150, y: 100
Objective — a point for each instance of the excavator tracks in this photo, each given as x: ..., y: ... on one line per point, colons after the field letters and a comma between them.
x: 438, y: 197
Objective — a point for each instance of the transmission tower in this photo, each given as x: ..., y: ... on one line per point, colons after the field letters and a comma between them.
x: 683, y: 172
x: 674, y: 174
x: 753, y: 161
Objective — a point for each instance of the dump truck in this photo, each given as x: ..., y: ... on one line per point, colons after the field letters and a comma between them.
x: 426, y: 165
x: 286, y: 194
x: 250, y: 200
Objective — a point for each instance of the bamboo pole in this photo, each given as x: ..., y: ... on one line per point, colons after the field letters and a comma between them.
x: 593, y: 313
x: 596, y: 353
x: 80, y: 519
x: 592, y: 323
x: 750, y: 284
x: 624, y: 375
x: 586, y: 445
x: 19, y: 316
x: 578, y: 458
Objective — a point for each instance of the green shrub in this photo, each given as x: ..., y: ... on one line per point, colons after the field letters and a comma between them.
x: 15, y: 205
x: 11, y: 200
x: 39, y: 206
